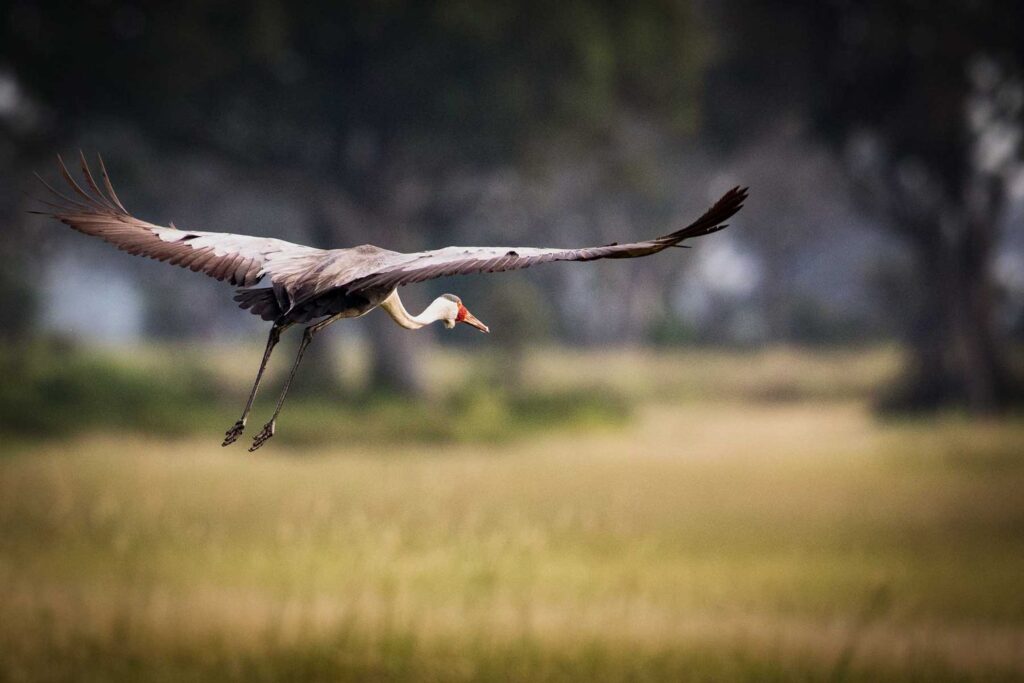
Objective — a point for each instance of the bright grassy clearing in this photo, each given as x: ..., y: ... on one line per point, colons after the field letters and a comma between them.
x: 721, y: 540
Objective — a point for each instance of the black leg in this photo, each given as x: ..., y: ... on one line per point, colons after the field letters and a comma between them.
x: 307, y: 337
x: 275, y: 336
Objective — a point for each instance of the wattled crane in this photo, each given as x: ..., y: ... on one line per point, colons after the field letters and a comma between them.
x: 316, y: 287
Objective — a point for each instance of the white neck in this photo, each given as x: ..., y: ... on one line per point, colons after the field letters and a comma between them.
x: 432, y: 313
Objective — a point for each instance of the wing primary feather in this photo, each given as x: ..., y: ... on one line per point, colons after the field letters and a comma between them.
x: 70, y: 203
x: 91, y: 206
x: 52, y: 205
x: 91, y: 182
x: 89, y: 200
x: 107, y: 184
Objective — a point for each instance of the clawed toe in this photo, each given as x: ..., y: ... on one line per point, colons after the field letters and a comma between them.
x: 263, y: 436
x: 232, y: 434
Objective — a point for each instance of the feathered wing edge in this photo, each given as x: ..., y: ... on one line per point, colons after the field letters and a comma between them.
x: 103, y: 201
x: 97, y: 211
x: 467, y: 260
x: 237, y: 258
x: 713, y: 219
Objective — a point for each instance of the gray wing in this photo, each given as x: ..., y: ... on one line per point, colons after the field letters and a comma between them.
x: 240, y: 259
x: 404, y: 269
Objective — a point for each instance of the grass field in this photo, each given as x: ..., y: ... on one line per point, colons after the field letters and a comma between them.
x: 751, y: 521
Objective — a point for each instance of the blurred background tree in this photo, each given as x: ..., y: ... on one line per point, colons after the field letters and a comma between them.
x: 923, y: 102
x: 521, y: 314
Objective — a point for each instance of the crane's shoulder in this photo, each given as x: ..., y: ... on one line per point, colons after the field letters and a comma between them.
x: 336, y: 267
x: 360, y: 258
x: 366, y: 250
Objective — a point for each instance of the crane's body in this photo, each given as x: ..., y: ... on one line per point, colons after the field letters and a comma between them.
x: 289, y: 284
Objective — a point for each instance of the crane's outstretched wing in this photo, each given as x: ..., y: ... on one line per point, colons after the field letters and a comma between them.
x: 299, y: 273
x: 240, y: 259
x: 404, y: 269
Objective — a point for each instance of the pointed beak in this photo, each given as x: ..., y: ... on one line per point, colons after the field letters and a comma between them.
x: 471, y: 319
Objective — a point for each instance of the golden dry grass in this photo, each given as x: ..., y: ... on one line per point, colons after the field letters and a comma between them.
x: 732, y: 538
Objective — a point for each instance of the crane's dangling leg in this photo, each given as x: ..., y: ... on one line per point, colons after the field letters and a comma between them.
x: 275, y: 336
x: 307, y: 337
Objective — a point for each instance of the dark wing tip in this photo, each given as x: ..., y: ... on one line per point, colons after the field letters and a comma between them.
x: 714, y: 218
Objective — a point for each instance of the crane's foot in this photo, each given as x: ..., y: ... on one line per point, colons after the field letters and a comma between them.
x: 232, y: 434
x: 263, y: 436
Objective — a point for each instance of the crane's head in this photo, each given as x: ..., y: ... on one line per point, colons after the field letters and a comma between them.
x: 455, y: 312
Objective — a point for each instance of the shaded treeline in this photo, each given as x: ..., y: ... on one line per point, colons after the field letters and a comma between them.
x: 420, y: 124
x: 924, y: 103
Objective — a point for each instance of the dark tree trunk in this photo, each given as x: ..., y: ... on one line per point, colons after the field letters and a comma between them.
x: 396, y: 360
x: 395, y: 366
x: 957, y: 359
x: 20, y: 239
x: 19, y: 290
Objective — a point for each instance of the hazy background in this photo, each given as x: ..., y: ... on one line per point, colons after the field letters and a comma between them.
x: 791, y: 451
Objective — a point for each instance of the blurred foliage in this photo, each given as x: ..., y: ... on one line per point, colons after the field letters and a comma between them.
x: 670, y: 330
x: 816, y: 324
x: 304, y: 82
x: 55, y: 389
x: 749, y: 375
x: 19, y: 302
x: 519, y: 316
x: 474, y: 413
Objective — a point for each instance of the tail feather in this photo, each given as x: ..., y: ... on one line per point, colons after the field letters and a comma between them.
x: 260, y: 301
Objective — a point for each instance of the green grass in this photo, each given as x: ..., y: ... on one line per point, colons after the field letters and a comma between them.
x: 749, y: 536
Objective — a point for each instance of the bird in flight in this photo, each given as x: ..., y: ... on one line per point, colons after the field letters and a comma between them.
x: 290, y: 284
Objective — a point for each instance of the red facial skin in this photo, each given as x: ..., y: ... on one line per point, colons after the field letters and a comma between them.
x: 464, y: 316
